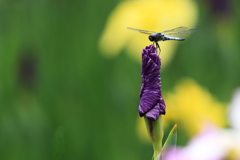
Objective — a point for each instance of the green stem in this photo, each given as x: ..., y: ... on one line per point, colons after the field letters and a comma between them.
x: 155, y: 131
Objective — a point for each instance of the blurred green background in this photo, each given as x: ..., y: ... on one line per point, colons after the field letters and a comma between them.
x: 61, y: 99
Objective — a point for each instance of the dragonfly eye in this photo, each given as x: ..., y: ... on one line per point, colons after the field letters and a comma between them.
x: 151, y: 38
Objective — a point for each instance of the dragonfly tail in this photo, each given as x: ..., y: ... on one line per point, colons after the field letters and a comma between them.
x: 173, y: 38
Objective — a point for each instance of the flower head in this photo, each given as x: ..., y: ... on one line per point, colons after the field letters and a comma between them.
x: 220, y: 8
x: 151, y: 101
x: 193, y: 106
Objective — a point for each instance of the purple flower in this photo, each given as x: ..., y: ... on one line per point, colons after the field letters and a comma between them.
x: 151, y: 101
x: 221, y: 8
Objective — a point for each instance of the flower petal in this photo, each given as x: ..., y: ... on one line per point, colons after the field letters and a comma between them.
x: 151, y: 101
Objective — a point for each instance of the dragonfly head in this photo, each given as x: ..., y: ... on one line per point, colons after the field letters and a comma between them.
x: 151, y: 38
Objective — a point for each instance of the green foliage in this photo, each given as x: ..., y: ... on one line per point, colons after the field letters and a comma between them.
x: 76, y: 104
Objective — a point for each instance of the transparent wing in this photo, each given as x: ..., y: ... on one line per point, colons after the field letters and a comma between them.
x: 182, y: 32
x: 179, y: 29
x: 141, y: 31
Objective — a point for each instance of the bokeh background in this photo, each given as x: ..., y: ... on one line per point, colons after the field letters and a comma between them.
x: 71, y: 76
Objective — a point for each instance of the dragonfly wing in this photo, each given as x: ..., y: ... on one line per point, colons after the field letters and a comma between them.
x: 182, y: 32
x: 179, y: 29
x: 141, y: 31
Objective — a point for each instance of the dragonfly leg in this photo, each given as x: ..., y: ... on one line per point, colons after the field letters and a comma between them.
x: 158, y: 48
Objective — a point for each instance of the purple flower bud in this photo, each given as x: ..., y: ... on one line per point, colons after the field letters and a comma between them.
x: 151, y: 101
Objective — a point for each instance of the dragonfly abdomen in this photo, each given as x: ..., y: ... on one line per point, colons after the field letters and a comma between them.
x: 173, y: 38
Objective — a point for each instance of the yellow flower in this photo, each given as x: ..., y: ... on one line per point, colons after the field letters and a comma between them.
x: 153, y: 15
x: 191, y: 107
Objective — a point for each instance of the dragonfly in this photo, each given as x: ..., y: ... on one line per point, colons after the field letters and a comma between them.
x: 155, y: 37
